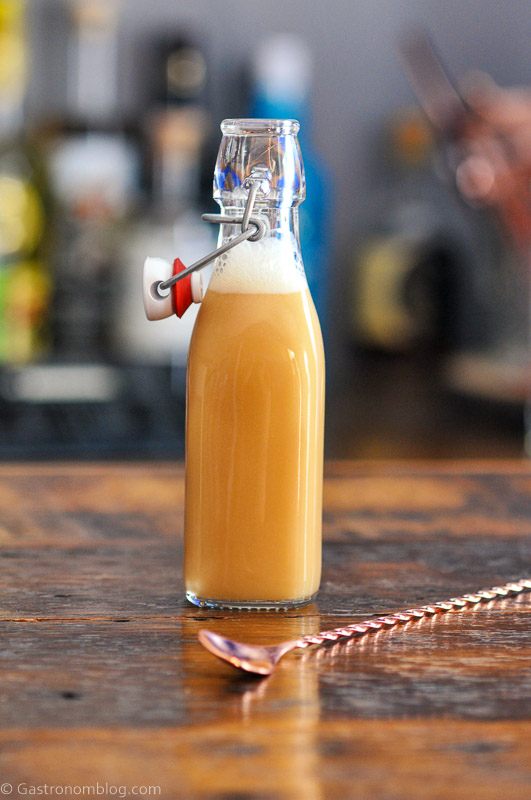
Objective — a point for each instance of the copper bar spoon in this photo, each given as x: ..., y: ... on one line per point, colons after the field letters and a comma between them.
x: 262, y: 659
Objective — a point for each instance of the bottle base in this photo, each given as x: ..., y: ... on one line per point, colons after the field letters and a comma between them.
x: 248, y: 605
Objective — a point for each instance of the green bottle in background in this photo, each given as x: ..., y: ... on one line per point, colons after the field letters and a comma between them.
x: 24, y: 276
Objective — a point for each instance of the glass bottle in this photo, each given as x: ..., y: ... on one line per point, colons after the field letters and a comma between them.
x: 93, y: 163
x: 24, y: 274
x: 255, y: 394
x: 175, y: 130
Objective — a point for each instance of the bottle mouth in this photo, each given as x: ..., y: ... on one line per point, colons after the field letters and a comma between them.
x: 259, y: 127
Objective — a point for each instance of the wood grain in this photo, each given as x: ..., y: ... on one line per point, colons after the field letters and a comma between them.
x: 102, y: 679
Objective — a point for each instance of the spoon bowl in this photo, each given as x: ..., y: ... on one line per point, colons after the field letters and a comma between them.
x: 256, y: 659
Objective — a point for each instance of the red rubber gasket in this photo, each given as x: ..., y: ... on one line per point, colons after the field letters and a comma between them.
x: 181, y: 291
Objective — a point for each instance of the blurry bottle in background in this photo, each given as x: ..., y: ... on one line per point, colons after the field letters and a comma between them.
x: 94, y: 169
x: 177, y: 123
x: 168, y: 225
x: 24, y: 274
x: 409, y: 283
x: 282, y: 72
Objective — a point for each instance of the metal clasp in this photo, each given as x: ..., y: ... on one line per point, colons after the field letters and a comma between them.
x: 252, y: 229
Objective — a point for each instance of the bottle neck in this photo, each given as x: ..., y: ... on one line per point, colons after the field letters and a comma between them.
x: 282, y: 223
x: 92, y: 59
x: 262, y: 156
x: 270, y: 265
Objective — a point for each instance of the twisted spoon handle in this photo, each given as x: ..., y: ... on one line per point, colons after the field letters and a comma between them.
x: 415, y: 614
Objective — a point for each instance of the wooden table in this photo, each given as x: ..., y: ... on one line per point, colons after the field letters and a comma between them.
x: 103, y: 681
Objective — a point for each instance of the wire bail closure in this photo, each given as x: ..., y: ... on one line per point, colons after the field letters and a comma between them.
x: 253, y: 228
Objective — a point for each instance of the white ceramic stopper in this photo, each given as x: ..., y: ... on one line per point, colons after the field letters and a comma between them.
x: 156, y: 269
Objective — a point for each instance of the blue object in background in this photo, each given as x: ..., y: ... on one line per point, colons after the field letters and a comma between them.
x: 282, y: 81
x: 314, y: 217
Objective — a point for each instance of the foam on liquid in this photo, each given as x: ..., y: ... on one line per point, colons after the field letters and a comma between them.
x: 269, y: 266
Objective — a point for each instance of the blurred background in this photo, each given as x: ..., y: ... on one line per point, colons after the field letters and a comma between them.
x: 109, y: 126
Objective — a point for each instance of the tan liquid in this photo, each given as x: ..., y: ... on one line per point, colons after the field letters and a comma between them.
x: 254, y: 449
